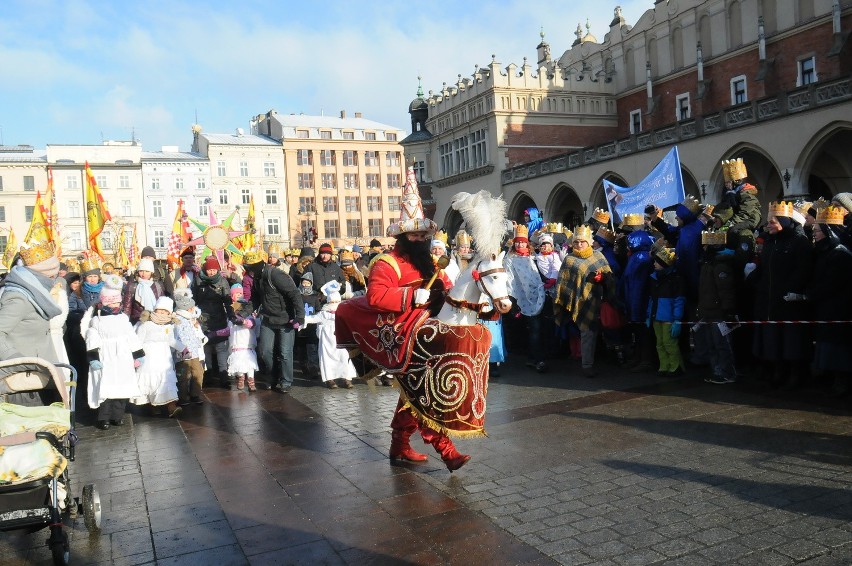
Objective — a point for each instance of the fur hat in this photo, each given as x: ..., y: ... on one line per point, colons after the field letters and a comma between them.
x: 183, y: 299
x: 111, y: 291
x: 331, y: 290
x: 146, y: 264
x: 164, y: 303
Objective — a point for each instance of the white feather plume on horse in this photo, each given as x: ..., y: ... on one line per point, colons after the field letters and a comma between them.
x: 485, y: 219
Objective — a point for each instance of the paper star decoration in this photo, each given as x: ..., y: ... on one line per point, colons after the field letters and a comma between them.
x: 216, y: 237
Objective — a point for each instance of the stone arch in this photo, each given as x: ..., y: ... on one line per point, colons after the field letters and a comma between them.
x: 597, y: 198
x: 690, y: 185
x: 677, y: 48
x: 735, y: 24
x: 519, y: 204
x: 825, y: 164
x: 564, y: 205
x: 452, y: 222
x: 763, y: 173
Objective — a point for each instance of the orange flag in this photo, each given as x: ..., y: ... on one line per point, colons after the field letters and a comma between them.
x: 97, y: 214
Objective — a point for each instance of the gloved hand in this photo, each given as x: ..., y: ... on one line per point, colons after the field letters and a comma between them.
x: 749, y: 267
x: 421, y: 297
x: 248, y: 323
x: 96, y: 365
x: 598, y: 277
x: 676, y: 329
x: 138, y: 361
x: 794, y: 297
x: 436, y: 297
x: 296, y: 324
x: 648, y: 322
x: 549, y: 283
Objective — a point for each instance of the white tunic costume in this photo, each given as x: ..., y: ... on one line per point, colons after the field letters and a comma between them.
x: 334, y: 362
x: 115, y: 340
x: 242, y: 343
x: 524, y: 283
x: 156, y: 376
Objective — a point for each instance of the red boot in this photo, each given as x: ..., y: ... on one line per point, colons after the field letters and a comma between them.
x: 404, y: 425
x: 452, y: 458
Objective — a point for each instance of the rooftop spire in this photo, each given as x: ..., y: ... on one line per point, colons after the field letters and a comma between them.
x: 419, y: 87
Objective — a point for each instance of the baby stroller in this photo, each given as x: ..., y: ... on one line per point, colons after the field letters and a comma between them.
x: 36, y: 444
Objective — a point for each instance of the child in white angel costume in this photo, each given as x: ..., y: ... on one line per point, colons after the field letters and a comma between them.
x: 335, y: 364
x: 156, y: 376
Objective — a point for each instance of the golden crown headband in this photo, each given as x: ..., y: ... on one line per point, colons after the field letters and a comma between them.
x: 714, y: 238
x: 601, y: 216
x: 37, y: 252
x: 606, y: 234
x: 734, y: 170
x: 632, y: 219
x: 831, y: 215
x: 781, y: 209
x: 583, y: 232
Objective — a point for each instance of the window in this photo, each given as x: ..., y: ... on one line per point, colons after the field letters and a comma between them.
x: 350, y: 158
x: 392, y: 159
x: 73, y: 209
x: 155, y: 184
x: 390, y: 137
x: 101, y: 180
x: 394, y: 203
x: 353, y: 228
x: 76, y: 241
x: 179, y: 184
x: 124, y: 182
x: 328, y: 180
x: 349, y: 135
x: 307, y: 204
x: 682, y: 109
x: 28, y: 213
x: 371, y: 158
x: 271, y: 196
x: 807, y: 72
x: 325, y: 134
x: 739, y: 94
x: 303, y: 157
x: 71, y: 182
x: 478, y: 149
x: 370, y: 136
x: 245, y: 196
x: 244, y: 169
x: 126, y: 209
x: 1, y: 183
x: 353, y: 204
x: 374, y: 204
x: 372, y: 181
x: 302, y: 134
x: 201, y: 183
x: 159, y: 238
x: 223, y: 196
x: 268, y: 168
x: 202, y: 208
x: 420, y: 171
x: 374, y: 226
x: 272, y: 227
x: 635, y: 121
x: 393, y: 180
x: 4, y: 241
x: 332, y: 228
x: 327, y: 157
x: 29, y: 183
x: 220, y: 168
x: 329, y: 204
x: 306, y: 181
x: 2, y: 214
x: 350, y: 181
x: 157, y: 208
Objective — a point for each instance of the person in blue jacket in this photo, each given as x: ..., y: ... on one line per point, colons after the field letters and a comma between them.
x: 633, y: 291
x: 533, y: 220
x: 666, y: 303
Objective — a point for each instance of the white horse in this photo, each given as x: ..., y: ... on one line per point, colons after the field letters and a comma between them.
x: 482, y: 286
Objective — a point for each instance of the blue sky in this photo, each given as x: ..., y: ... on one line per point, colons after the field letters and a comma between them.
x: 80, y: 71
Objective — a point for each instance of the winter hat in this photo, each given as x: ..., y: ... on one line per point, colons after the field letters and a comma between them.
x: 308, y: 276
x: 374, y: 243
x: 164, y: 303
x: 211, y: 263
x: 111, y: 291
x: 844, y: 200
x: 439, y: 244
x: 189, y: 250
x: 148, y: 251
x: 545, y: 239
x: 146, y: 264
x: 183, y: 299
x: 331, y: 290
x: 357, y: 249
x: 236, y: 288
x: 307, y: 251
x: 326, y: 249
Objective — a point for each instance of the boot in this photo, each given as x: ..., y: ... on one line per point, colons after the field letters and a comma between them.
x: 241, y: 381
x: 445, y: 447
x: 251, y: 384
x: 173, y: 409
x: 403, y: 426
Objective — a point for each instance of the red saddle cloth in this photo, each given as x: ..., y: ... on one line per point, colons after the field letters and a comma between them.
x: 442, y: 369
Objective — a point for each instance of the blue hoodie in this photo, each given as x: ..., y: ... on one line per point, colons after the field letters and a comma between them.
x: 634, y: 281
x: 535, y: 222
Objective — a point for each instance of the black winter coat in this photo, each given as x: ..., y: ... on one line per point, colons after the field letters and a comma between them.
x: 214, y: 301
x: 828, y: 292
x: 282, y: 304
x: 718, y: 285
x: 325, y: 272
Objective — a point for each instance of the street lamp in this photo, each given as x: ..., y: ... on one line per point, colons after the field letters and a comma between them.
x: 786, y: 178
x: 703, y: 192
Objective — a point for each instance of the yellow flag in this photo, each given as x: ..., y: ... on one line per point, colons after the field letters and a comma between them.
x: 39, y: 230
x: 97, y: 214
x: 11, y: 249
x: 52, y: 215
x: 248, y: 237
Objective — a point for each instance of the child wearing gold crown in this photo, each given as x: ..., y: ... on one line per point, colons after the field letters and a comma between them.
x: 666, y: 304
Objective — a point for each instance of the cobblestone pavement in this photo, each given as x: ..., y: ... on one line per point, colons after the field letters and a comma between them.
x: 622, y: 469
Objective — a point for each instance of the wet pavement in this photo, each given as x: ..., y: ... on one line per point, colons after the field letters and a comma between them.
x: 622, y: 469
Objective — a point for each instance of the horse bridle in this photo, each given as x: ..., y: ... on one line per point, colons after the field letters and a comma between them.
x: 478, y: 275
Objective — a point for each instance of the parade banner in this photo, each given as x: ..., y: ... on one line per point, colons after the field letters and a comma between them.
x: 52, y: 215
x: 179, y: 235
x: 97, y: 214
x: 39, y: 230
x: 11, y: 249
x: 662, y: 187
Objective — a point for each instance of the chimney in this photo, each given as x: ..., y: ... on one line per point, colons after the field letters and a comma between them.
x: 343, y: 113
x: 357, y: 114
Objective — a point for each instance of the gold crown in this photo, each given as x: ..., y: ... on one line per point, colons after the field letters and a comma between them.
x: 522, y: 231
x: 734, y: 169
x: 708, y: 210
x: 601, y: 216
x: 73, y: 265
x: 583, y: 232
x: 664, y: 255
x: 831, y: 215
x: 36, y: 252
x: 553, y: 227
x: 442, y: 236
x: 252, y: 256
x: 820, y: 203
x: 781, y: 208
x: 275, y: 249
x: 633, y: 219
x: 89, y: 264
x: 692, y: 205
x: 714, y: 238
x: 802, y: 207
x: 462, y: 238
x: 607, y: 234
x: 346, y: 255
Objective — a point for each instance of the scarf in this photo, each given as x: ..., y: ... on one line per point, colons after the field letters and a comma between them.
x: 525, y: 252
x: 209, y: 280
x: 96, y: 288
x: 145, y: 294
x: 583, y: 254
x: 36, y: 288
x: 109, y: 311
x: 161, y: 319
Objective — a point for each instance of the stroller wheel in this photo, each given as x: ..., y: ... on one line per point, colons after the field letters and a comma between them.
x: 59, y: 548
x: 91, y: 504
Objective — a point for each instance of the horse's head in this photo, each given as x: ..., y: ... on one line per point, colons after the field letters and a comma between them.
x: 491, y: 278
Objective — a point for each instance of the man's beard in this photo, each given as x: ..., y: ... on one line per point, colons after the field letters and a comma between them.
x: 419, y: 254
